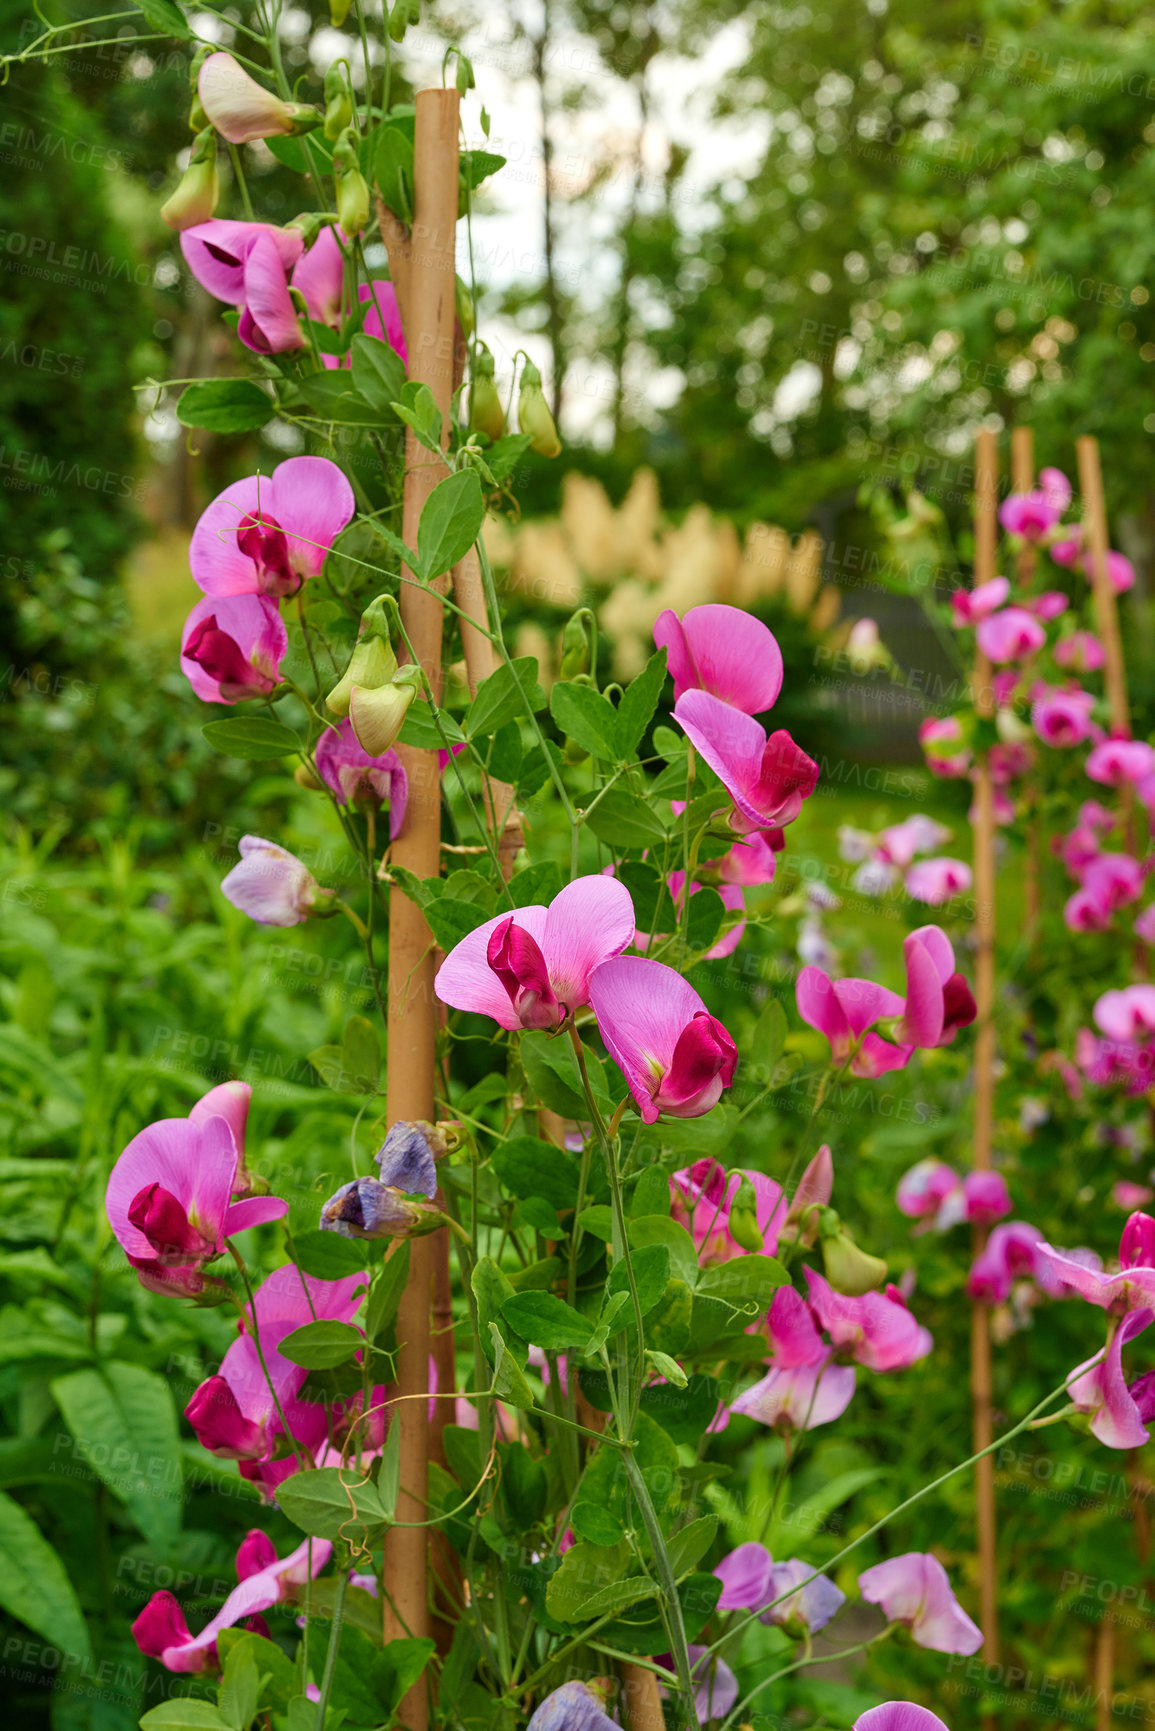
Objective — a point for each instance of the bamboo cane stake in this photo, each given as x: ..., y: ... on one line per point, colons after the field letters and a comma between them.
x: 429, y: 316
x: 1106, y: 608
x: 986, y: 534
x: 1022, y: 481
x: 480, y: 662
x: 641, y: 1698
x: 1104, y: 1672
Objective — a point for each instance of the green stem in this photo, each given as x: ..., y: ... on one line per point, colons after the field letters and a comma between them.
x: 334, y: 1642
x: 801, y: 1664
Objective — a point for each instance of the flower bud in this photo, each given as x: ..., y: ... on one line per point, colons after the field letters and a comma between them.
x: 407, y: 1158
x: 402, y: 14
x: 813, y: 1193
x: 377, y: 716
x: 352, y: 189
x: 372, y: 665
x: 338, y: 12
x: 485, y: 410
x: 338, y: 102
x: 743, y: 1218
x: 577, y: 644
x: 849, y: 1269
x: 464, y: 306
x: 195, y: 199
x: 533, y: 416
x: 197, y: 118
x: 304, y: 777
x: 243, y: 110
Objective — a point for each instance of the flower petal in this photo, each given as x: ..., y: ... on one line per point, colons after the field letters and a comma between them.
x: 465, y: 978
x: 312, y: 501
x: 591, y: 921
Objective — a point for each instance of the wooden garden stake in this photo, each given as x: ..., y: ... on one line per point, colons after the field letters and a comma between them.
x: 986, y: 539
x: 428, y: 308
x: 1106, y: 609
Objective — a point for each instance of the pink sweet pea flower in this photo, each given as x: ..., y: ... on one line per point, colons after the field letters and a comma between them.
x: 320, y: 277
x: 169, y: 1197
x: 724, y: 651
x: 876, y: 1330
x: 844, y: 1010
x: 937, y: 735
x: 732, y: 898
x: 899, y: 844
x: 161, y: 1632
x: 923, y: 1190
x: 233, y: 1413
x: 1131, y: 1288
x: 936, y: 881
x: 232, y: 647
x: 266, y: 535
x: 914, y: 1589
x: 1055, y: 488
x: 1128, y: 1014
x: 1100, y: 1389
x: 1108, y: 1061
x: 899, y: 1716
x: 1047, y: 606
x: 1128, y: 1195
x: 938, y: 1000
x: 271, y: 885
x: 1062, y: 718
x: 532, y: 968
x: 1145, y: 925
x: 1011, y: 1252
x: 767, y: 778
x: 1010, y: 759
x: 217, y: 253
x: 358, y: 779
x: 799, y: 1398
x: 700, y: 1199
x: 752, y: 861
x: 1010, y: 635
x: 241, y: 109
x: 1081, y: 652
x: 1031, y: 515
x: 1116, y: 761
x: 675, y: 1056
x: 968, y: 606
x: 985, y: 1197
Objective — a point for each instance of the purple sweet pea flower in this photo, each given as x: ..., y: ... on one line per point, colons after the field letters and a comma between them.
x: 675, y: 1056
x: 876, y: 1329
x: 899, y: 1716
x: 247, y: 264
x: 232, y: 647
x: 533, y: 967
x: 267, y: 534
x: 1101, y: 1390
x: 358, y: 779
x: 753, y: 1581
x: 271, y: 885
x: 573, y: 1707
x: 1131, y: 1288
x: 799, y: 1397
x: 914, y: 1589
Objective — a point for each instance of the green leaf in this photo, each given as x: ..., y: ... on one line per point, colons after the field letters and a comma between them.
x: 450, y: 522
x: 421, y: 730
x: 552, y: 1071
x: 546, y: 1321
x: 184, y: 1713
x: 704, y: 915
x: 770, y: 1032
x: 362, y: 1610
x: 328, y: 1256
x: 529, y: 1167
x: 332, y: 1503
x: 689, y: 1545
x: 378, y: 373
x: 651, y: 1195
x: 322, y: 1345
x: 329, y: 1063
x: 252, y: 736
x: 362, y: 1053
x: 417, y: 407
x: 166, y: 16
x: 622, y: 820
x: 668, y: 1367
x: 669, y: 744
x: 585, y: 1569
x: 510, y: 691
x: 224, y: 405
x: 505, y: 754
x: 478, y: 165
x: 34, y: 1587
x: 745, y: 1280
x: 639, y: 701
x: 124, y: 1423
x: 385, y: 1291
x: 451, y: 920
x: 239, y: 1689
x: 598, y: 1220
x: 536, y: 1213
x: 490, y: 1291
x: 651, y: 1275
x: 587, y: 717
x: 508, y: 1381
x: 394, y: 171
x: 275, y: 1669
x: 389, y: 1477
x: 398, y: 1667
x: 536, y: 884
x: 333, y: 397
x: 537, y: 1276
x: 653, y: 905
x: 668, y: 1329
x: 615, y: 1596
